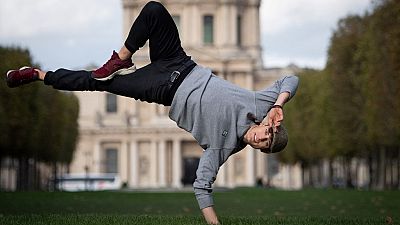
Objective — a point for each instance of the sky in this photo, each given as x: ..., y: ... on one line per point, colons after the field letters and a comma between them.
x: 75, y: 33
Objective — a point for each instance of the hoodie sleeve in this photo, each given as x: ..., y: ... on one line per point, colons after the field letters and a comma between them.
x: 287, y: 84
x: 206, y: 174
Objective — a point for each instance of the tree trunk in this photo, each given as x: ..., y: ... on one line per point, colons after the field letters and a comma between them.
x: 381, y: 169
x: 376, y: 169
x: 349, y: 180
x: 25, y: 173
x: 11, y: 166
x: 34, y: 175
x: 394, y: 169
x: 320, y: 173
x: 391, y: 169
x: 310, y: 176
x: 344, y: 170
x: 358, y: 164
x: 398, y: 168
x: 330, y: 173
x: 54, y: 176
x: 1, y: 160
x: 21, y: 172
x: 369, y: 164
x: 303, y: 176
x: 37, y: 175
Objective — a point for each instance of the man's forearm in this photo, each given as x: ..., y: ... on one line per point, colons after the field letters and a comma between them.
x: 275, y: 115
x: 210, y: 215
x: 282, y: 98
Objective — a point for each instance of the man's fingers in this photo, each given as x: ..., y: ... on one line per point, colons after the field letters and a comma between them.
x: 279, y: 114
x: 270, y: 121
x: 276, y: 125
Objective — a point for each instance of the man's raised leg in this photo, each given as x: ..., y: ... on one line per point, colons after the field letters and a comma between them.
x: 146, y: 84
x: 154, y: 23
x: 149, y: 83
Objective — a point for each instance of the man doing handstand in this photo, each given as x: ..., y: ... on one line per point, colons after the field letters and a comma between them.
x: 222, y: 117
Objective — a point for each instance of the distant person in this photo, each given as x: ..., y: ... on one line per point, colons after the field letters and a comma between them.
x: 221, y: 116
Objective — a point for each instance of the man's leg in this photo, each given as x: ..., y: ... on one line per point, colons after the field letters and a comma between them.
x: 148, y: 83
x: 145, y: 84
x: 154, y: 23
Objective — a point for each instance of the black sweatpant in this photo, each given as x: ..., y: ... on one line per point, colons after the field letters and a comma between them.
x: 151, y: 83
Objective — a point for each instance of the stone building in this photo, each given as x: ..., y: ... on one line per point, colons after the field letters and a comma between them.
x: 141, y: 144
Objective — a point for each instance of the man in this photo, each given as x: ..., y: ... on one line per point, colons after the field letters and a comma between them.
x: 222, y: 117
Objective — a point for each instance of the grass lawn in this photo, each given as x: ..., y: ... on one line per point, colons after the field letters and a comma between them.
x: 239, y: 206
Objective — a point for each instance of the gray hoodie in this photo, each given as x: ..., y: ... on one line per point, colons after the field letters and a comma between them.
x: 215, y: 112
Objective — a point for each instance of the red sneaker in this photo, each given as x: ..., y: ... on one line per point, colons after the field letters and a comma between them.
x: 22, y: 76
x: 114, y: 66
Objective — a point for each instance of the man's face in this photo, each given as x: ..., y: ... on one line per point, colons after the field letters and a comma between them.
x: 259, y: 136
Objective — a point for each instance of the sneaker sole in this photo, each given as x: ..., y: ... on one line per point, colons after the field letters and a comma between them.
x: 120, y: 72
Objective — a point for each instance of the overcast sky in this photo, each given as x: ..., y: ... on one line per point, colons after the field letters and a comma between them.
x: 75, y: 33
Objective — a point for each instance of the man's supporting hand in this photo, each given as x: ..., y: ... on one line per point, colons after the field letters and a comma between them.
x: 210, y: 215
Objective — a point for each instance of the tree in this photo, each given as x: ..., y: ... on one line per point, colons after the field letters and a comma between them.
x: 381, y: 86
x: 304, y: 119
x: 344, y: 69
x: 351, y: 109
x: 37, y: 123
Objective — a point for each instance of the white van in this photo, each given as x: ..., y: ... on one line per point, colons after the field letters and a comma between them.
x: 88, y: 182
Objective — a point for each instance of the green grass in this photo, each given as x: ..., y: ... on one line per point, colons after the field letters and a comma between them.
x: 240, y: 206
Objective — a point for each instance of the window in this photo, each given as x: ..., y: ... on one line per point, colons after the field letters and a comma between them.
x: 111, y: 103
x: 239, y: 30
x: 111, y: 160
x: 177, y: 21
x: 208, y: 26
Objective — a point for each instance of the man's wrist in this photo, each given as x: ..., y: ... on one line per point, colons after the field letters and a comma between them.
x: 277, y: 106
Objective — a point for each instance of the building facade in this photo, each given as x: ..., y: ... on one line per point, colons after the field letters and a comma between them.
x: 141, y: 144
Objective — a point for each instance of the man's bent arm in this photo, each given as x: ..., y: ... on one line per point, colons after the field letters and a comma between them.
x: 280, y: 92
